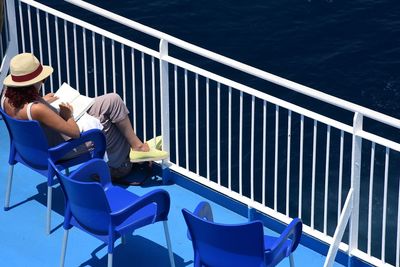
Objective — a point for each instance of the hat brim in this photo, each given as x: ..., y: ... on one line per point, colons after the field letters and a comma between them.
x: 46, y: 71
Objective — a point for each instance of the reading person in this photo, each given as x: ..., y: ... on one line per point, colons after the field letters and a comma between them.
x: 21, y: 100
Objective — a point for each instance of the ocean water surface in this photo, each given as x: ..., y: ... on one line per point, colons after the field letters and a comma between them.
x: 349, y: 49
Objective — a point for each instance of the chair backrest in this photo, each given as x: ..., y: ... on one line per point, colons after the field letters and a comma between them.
x: 86, y: 199
x: 220, y: 245
x: 27, y: 140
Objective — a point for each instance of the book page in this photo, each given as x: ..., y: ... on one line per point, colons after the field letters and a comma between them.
x: 80, y: 105
x: 65, y: 94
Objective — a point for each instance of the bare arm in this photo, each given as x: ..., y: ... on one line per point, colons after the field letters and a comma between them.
x: 63, y: 123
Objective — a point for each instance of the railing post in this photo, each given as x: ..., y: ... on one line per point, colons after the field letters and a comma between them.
x: 12, y: 46
x: 355, y: 181
x: 164, y: 88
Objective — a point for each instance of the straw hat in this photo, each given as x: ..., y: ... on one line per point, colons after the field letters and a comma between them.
x: 26, y: 70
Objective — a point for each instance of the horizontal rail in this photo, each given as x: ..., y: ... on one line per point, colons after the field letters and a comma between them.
x: 240, y: 66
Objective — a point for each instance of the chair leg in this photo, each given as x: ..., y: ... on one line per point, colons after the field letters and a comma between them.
x: 168, y: 239
x: 110, y: 260
x: 8, y: 190
x: 291, y: 259
x: 48, y: 215
x: 64, y: 248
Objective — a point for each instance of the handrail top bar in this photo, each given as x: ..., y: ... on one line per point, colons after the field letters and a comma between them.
x: 308, y: 91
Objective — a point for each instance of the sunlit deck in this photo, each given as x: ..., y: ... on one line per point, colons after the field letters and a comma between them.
x: 24, y: 242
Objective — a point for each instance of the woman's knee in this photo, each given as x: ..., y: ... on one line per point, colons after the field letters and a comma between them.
x: 114, y: 98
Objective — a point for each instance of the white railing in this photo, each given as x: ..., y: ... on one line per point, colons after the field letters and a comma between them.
x: 270, y: 154
x: 8, y: 40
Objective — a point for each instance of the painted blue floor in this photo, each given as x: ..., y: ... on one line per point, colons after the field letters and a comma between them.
x: 23, y: 241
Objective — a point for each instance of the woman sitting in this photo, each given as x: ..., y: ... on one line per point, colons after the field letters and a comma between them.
x: 21, y: 99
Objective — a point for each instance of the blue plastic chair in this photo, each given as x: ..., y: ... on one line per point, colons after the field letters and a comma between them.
x: 237, y: 245
x: 105, y: 211
x: 28, y: 146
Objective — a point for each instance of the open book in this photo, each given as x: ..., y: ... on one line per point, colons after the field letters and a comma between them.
x: 80, y: 103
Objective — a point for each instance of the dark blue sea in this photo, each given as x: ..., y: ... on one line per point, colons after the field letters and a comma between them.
x: 349, y: 49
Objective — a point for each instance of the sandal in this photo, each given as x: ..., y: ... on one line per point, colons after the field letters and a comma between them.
x: 152, y: 155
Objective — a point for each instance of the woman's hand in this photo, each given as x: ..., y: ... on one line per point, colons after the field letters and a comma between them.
x: 50, y: 98
x: 66, y: 111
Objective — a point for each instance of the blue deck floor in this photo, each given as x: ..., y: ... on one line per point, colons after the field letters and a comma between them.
x: 23, y: 241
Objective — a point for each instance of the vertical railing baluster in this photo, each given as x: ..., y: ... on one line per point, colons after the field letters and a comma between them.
x: 177, y: 115
x: 276, y: 158
x: 289, y: 137
x: 301, y: 166
x: 355, y: 180
x: 398, y: 230
x: 39, y: 31
x: 371, y: 190
x: 219, y: 133
x: 164, y: 92
x: 340, y: 174
x: 385, y: 197
x: 95, y: 66
x: 133, y: 89
x: 66, y: 49
x: 85, y: 61
x: 58, y: 52
x: 153, y: 86
x: 7, y: 19
x: 186, y: 120
x: 143, y: 96
x: 113, y: 66
x: 123, y: 73
x: 230, y: 138
x: 197, y: 124
x: 48, y: 48
x: 252, y: 148
x: 1, y: 45
x: 12, y: 40
x: 240, y: 141
x: 264, y: 145
x: 328, y: 145
x: 208, y: 126
x: 76, y: 59
x: 314, y: 159
x: 103, y: 52
x: 21, y: 23
x: 30, y: 29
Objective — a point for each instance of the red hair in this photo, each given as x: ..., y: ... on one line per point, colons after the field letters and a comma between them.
x: 18, y: 96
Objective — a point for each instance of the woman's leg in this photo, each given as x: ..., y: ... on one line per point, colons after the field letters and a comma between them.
x: 126, y: 129
x: 120, y: 137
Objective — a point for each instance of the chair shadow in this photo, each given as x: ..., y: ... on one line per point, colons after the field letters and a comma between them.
x: 142, y: 175
x: 138, y: 250
x: 41, y: 197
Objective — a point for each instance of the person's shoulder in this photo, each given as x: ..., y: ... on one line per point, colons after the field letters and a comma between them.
x: 39, y: 110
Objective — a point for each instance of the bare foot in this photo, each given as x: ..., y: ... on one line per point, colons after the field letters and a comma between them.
x: 143, y: 147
